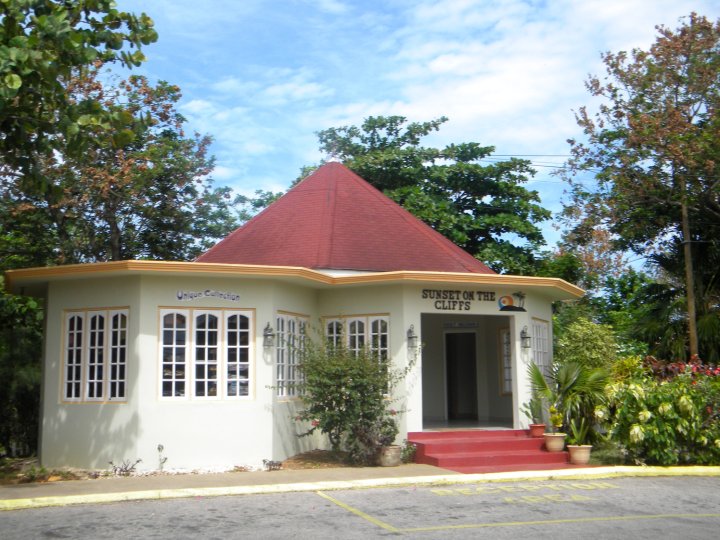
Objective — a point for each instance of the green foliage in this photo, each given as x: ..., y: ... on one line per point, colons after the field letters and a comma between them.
x: 36, y: 475
x: 483, y: 208
x: 408, y: 452
x: 571, y: 392
x: 625, y: 368
x: 533, y: 409
x: 564, y: 265
x: 666, y: 422
x: 150, y: 199
x: 654, y: 147
x: 21, y: 326
x: 579, y: 431
x: 345, y: 396
x: 586, y: 343
x: 42, y: 42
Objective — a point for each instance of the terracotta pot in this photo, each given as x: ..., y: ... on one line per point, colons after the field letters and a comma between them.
x: 554, y: 442
x: 389, y: 456
x: 537, y: 430
x: 579, y: 453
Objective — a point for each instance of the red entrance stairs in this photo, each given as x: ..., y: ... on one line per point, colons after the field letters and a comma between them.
x: 483, y: 451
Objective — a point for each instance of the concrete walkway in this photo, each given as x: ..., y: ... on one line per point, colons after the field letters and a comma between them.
x: 166, y: 486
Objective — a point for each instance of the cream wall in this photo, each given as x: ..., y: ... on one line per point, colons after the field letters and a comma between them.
x: 195, y: 433
x: 204, y: 433
x: 291, y: 299
x: 223, y: 433
x: 484, y: 308
x: 87, y: 435
x: 385, y: 300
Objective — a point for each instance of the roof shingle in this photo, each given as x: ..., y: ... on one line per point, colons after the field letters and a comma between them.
x: 335, y: 220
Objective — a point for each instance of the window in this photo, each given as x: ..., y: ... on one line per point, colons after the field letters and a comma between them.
x: 333, y: 333
x: 118, y: 355
x: 238, y: 355
x: 505, y: 362
x: 541, y: 345
x: 358, y: 332
x: 205, y: 354
x: 290, y: 334
x: 95, y: 356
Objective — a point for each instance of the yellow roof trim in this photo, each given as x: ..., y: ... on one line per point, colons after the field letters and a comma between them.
x: 34, y: 276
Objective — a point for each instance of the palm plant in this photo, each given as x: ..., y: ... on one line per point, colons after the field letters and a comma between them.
x: 571, y: 388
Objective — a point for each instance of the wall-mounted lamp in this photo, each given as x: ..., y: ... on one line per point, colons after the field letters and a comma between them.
x: 525, y: 338
x: 412, y: 338
x: 268, y: 336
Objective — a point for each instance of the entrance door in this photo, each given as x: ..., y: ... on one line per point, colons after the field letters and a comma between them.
x: 460, y: 359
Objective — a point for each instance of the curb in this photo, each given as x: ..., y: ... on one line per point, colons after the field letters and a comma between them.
x: 442, y: 480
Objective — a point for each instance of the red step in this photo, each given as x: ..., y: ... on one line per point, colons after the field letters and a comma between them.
x: 479, y: 451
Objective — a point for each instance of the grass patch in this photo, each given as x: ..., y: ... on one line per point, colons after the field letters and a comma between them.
x: 26, y: 470
x: 607, y: 453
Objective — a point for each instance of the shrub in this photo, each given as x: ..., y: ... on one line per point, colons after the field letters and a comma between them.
x: 345, y: 395
x: 571, y: 392
x: 667, y: 420
x: 587, y: 343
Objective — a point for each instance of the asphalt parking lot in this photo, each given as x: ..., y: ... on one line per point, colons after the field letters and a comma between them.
x: 612, y: 508
x: 603, y: 508
x: 648, y: 507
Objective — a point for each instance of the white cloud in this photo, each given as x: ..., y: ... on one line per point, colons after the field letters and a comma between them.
x: 262, y: 79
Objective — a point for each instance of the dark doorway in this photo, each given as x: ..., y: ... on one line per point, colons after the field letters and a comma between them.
x: 460, y: 360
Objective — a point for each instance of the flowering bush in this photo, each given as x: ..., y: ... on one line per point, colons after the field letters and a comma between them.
x: 667, y: 415
x: 345, y: 394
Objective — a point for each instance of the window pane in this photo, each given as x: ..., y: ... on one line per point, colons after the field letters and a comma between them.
x: 118, y: 350
x: 206, y: 354
x: 173, y: 357
x: 73, y: 357
x: 237, y: 342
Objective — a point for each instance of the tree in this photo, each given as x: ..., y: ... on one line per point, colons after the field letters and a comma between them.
x: 21, y: 326
x: 42, y: 43
x: 654, y: 145
x: 483, y: 208
x: 151, y: 198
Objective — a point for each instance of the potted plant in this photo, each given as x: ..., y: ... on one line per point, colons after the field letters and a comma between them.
x: 578, y: 447
x: 555, y: 440
x: 546, y: 391
x: 388, y: 453
x: 533, y: 409
x: 573, y: 390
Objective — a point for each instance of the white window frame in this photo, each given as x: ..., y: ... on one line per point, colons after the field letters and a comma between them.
x: 212, y: 369
x: 205, y: 353
x: 290, y: 335
x: 358, y: 331
x: 238, y: 355
x: 95, y: 355
x: 505, y: 361
x: 117, y: 361
x: 541, y: 345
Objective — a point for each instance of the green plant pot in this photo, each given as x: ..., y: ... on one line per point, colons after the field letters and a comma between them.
x: 554, y: 442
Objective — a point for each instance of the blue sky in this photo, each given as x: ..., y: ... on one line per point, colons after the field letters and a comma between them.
x: 262, y: 77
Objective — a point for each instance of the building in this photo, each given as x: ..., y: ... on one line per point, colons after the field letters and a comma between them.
x: 192, y: 362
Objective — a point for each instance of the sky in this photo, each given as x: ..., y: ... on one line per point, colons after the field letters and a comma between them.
x: 262, y: 77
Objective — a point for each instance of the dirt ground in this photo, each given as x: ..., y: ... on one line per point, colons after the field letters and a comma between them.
x: 24, y: 470
x: 316, y: 459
